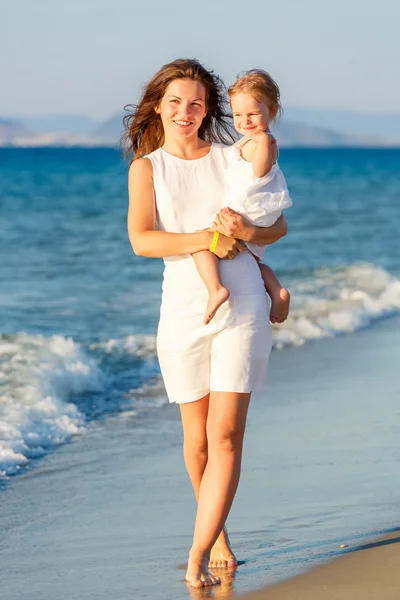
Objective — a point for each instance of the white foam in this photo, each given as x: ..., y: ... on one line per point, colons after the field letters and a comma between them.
x: 139, y: 345
x: 331, y: 302
x: 38, y: 376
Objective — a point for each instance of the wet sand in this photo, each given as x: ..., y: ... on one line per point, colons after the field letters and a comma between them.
x: 110, y: 514
x: 367, y: 572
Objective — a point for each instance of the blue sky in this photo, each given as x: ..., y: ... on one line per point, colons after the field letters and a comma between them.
x: 92, y: 56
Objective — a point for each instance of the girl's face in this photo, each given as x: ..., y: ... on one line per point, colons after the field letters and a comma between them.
x: 183, y: 107
x: 249, y: 114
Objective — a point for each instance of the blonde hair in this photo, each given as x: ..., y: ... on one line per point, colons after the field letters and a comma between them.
x: 261, y: 86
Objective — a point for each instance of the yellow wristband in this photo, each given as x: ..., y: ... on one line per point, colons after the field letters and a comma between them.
x: 215, y: 241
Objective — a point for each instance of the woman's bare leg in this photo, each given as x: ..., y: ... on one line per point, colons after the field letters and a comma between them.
x: 207, y: 265
x: 226, y: 422
x: 221, y: 555
x: 195, y: 444
x: 279, y: 295
x: 195, y: 452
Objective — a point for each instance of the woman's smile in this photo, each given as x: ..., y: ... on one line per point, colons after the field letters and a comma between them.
x: 182, y: 123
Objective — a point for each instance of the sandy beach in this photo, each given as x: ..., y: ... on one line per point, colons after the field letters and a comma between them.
x: 109, y: 515
x: 368, y: 572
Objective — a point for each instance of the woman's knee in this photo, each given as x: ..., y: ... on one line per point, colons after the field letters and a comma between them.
x: 225, y: 438
x: 227, y: 421
x: 195, y: 442
x: 194, y: 423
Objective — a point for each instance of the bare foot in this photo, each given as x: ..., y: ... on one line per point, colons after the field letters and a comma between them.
x: 215, y: 299
x: 221, y: 553
x: 280, y: 306
x: 197, y: 574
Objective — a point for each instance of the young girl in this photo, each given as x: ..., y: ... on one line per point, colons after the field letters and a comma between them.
x: 256, y: 187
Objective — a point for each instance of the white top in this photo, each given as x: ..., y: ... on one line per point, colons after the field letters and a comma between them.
x: 188, y: 190
x: 231, y: 352
x: 260, y: 199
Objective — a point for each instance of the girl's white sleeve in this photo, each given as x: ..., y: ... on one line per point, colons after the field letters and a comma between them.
x: 266, y: 198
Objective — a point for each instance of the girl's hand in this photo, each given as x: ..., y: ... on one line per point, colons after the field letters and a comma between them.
x: 232, y: 224
x: 263, y: 132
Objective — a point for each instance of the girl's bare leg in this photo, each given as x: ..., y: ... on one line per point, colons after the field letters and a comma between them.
x: 226, y: 422
x: 208, y: 267
x: 279, y: 295
x: 195, y: 451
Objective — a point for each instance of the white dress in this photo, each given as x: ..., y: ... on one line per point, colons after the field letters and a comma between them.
x: 260, y: 199
x: 231, y: 353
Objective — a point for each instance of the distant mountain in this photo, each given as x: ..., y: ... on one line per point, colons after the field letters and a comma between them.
x: 111, y: 130
x: 290, y: 133
x: 298, y: 127
x: 75, y: 124
x: 13, y: 133
x: 383, y: 126
x: 11, y: 129
x: 59, y: 131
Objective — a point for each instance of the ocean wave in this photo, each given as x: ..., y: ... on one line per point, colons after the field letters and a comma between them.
x: 38, y: 376
x: 334, y: 301
x: 138, y: 345
x: 325, y: 303
x: 52, y: 388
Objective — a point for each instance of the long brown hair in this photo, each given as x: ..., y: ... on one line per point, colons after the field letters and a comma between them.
x: 144, y: 131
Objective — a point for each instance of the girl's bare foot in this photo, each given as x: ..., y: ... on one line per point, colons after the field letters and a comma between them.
x: 280, y: 306
x: 221, y: 553
x: 215, y: 299
x: 197, y: 574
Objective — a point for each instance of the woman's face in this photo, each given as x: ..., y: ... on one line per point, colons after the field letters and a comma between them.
x: 183, y: 107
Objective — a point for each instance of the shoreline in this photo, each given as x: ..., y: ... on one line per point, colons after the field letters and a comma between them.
x: 366, y: 572
x: 319, y: 469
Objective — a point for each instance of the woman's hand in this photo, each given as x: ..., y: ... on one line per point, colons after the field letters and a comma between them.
x: 227, y: 247
x: 233, y: 224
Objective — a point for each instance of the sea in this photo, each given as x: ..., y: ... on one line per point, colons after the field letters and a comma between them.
x: 91, y: 467
x: 79, y: 311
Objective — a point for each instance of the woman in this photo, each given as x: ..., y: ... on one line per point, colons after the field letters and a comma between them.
x: 176, y: 179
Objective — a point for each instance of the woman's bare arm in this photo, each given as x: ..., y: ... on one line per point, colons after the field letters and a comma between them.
x: 267, y: 235
x: 145, y: 239
x: 232, y: 224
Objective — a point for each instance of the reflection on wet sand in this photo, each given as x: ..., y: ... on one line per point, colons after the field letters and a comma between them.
x: 224, y: 591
